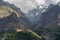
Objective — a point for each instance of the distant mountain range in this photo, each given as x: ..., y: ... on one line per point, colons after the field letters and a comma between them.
x: 34, y: 14
x: 50, y: 19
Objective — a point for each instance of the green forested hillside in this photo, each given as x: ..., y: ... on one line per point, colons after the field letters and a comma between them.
x: 23, y: 35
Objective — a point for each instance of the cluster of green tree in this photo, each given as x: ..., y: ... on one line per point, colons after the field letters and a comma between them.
x: 23, y: 35
x: 58, y: 34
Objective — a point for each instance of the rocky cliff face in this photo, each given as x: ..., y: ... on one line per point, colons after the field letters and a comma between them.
x: 11, y: 17
x: 24, y: 17
x: 12, y: 21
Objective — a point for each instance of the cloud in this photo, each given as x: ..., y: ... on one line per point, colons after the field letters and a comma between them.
x: 26, y: 5
x: 10, y: 1
x: 40, y: 1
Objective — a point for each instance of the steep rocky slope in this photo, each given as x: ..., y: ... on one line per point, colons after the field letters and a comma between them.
x: 11, y: 18
x: 49, y: 19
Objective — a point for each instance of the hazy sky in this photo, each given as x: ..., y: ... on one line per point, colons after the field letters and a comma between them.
x: 26, y: 5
